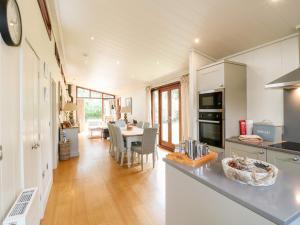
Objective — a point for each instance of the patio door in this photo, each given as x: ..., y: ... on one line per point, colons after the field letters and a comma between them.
x: 166, y: 108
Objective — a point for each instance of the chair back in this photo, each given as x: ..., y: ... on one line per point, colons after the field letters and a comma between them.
x: 140, y: 124
x: 156, y: 125
x: 110, y: 132
x: 119, y: 138
x: 120, y: 123
x: 149, y: 140
x: 146, y: 125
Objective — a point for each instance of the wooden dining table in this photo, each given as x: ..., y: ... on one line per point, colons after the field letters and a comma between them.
x: 130, y: 136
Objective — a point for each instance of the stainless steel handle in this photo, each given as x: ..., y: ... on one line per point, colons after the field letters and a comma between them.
x: 262, y: 152
x: 296, y: 158
x: 209, y: 121
x: 1, y: 153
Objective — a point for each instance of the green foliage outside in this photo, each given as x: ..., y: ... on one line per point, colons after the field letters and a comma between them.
x: 93, y: 109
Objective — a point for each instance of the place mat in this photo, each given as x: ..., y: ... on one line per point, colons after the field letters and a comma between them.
x: 184, y: 159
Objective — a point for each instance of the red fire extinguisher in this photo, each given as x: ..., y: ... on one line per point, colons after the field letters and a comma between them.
x: 243, y: 127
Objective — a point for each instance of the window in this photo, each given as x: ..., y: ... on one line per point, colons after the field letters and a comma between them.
x: 97, y: 105
x: 83, y: 93
x: 106, y: 96
x: 45, y: 15
x: 95, y: 94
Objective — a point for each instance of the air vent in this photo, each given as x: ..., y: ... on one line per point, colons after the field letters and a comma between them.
x: 19, y: 209
x: 25, y: 210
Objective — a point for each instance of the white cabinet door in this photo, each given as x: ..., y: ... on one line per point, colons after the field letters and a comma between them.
x: 31, y: 150
x: 244, y: 151
x: 211, y: 78
x: 45, y: 138
x: 284, y: 161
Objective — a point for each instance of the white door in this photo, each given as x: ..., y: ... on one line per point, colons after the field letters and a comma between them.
x: 31, y: 149
x: 45, y: 131
x: 54, y: 127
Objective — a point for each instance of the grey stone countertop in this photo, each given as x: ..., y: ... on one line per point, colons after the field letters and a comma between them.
x: 279, y: 203
x: 264, y: 144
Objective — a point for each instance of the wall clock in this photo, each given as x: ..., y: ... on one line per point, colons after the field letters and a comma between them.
x: 10, y: 22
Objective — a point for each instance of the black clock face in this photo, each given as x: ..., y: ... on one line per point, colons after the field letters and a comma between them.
x: 10, y: 22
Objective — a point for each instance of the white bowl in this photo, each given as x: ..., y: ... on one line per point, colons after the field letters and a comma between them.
x: 251, y: 178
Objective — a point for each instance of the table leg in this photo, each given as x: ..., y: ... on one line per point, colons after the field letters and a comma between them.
x: 128, y: 144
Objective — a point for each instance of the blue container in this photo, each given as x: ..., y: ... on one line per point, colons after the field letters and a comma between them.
x: 269, y: 132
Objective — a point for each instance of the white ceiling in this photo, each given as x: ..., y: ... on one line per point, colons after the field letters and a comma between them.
x: 152, y: 38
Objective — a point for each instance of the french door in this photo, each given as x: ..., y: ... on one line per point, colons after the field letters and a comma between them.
x: 166, y: 112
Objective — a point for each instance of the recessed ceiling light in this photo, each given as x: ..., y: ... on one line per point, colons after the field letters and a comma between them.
x: 197, y: 40
x: 118, y: 62
x: 92, y: 38
x: 157, y: 62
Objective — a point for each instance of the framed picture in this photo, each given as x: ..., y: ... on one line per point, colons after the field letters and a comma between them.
x: 128, y: 103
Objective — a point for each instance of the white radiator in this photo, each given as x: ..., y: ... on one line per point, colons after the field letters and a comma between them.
x: 25, y: 210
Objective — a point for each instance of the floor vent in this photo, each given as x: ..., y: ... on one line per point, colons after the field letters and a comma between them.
x: 25, y: 210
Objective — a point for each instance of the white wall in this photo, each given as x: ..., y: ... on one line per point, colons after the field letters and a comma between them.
x: 11, y: 72
x: 138, y: 94
x: 264, y: 65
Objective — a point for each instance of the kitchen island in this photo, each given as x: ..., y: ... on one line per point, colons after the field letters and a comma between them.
x: 203, y: 195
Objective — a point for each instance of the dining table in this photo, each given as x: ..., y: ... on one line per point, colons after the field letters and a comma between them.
x: 135, y: 134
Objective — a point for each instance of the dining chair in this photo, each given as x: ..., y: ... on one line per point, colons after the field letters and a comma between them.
x: 156, y: 125
x: 110, y: 139
x: 114, y: 141
x: 146, y: 125
x: 120, y: 144
x: 120, y: 123
x: 147, y: 146
x: 140, y: 124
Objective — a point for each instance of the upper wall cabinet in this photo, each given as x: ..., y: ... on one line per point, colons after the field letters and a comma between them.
x: 211, y: 77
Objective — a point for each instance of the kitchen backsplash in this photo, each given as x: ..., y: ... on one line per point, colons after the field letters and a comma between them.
x: 292, y: 115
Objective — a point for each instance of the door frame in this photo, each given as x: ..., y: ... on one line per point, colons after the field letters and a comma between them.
x: 160, y: 89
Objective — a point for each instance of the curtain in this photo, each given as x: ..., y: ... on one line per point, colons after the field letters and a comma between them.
x: 80, y: 114
x: 185, y: 112
x: 148, y: 104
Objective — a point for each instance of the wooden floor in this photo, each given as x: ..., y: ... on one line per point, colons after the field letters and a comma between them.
x: 95, y: 190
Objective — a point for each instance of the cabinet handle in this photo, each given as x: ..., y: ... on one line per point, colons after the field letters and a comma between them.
x: 296, y: 158
x: 1, y: 153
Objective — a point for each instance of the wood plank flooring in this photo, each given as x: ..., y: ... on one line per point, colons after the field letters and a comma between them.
x: 94, y: 190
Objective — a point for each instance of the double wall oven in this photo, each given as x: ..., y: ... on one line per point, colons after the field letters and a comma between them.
x: 211, y: 117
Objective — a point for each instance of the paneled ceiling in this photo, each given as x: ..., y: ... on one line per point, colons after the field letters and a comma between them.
x: 110, y: 44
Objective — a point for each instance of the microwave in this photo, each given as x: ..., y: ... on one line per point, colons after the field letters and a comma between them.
x: 211, y: 99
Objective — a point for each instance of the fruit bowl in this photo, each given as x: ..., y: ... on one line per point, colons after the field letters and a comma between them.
x: 250, y: 171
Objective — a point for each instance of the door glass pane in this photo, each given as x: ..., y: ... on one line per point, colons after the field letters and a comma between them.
x: 164, y: 115
x: 155, y: 107
x: 175, y: 116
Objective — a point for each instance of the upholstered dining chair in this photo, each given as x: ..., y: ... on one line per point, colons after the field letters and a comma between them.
x: 146, y: 125
x: 147, y: 146
x: 140, y: 124
x: 120, y: 123
x: 114, y: 141
x: 110, y: 139
x: 120, y: 144
x: 156, y: 125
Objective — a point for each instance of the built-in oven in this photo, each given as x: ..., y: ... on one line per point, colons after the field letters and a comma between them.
x: 212, y: 99
x: 211, y: 128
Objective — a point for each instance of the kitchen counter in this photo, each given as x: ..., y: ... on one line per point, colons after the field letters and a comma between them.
x: 264, y: 144
x: 277, y: 204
